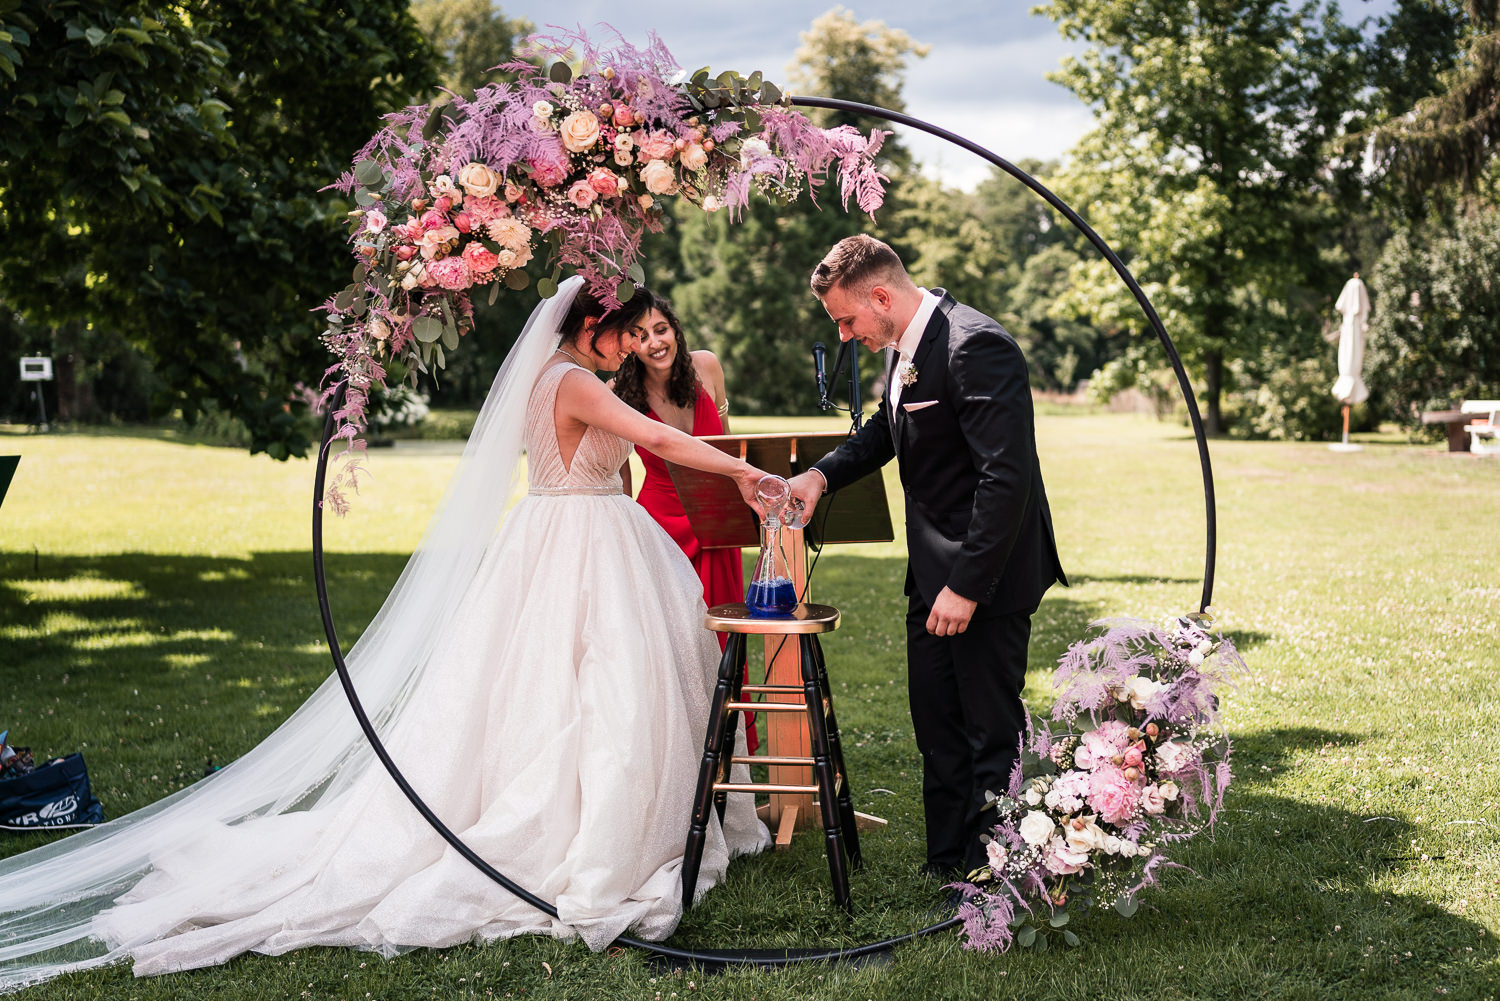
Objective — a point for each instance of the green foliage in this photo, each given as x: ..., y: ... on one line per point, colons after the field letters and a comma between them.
x: 1434, y: 335
x: 160, y: 183
x: 471, y: 38
x: 1294, y: 402
x: 1208, y: 168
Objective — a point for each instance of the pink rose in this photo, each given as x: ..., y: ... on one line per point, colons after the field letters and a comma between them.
x: 451, y: 273
x: 1112, y: 795
x: 375, y: 221
x: 623, y: 116
x: 462, y: 222
x: 479, y: 259
x: 512, y: 191
x: 433, y: 219
x: 550, y: 167
x: 604, y: 181
x: 995, y: 854
x: 656, y: 145
x: 581, y: 194
x: 405, y: 252
x: 579, y: 131
x: 1152, y: 800
x: 443, y: 205
x: 1132, y: 756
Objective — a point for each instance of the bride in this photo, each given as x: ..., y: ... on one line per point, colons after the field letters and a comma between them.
x: 541, y: 677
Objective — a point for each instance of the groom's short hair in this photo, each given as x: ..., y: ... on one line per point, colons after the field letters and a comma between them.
x: 855, y: 264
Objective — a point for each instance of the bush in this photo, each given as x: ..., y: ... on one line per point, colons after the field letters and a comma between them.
x: 1295, y: 403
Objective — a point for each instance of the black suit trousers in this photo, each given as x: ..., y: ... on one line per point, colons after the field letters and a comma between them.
x: 967, y: 712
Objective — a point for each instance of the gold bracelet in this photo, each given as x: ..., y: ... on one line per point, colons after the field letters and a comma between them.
x: 724, y: 408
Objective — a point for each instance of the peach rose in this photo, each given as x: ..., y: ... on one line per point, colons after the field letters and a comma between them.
x: 659, y: 178
x: 694, y: 157
x: 479, y: 259
x: 604, y: 181
x: 580, y: 131
x: 654, y: 145
x: 478, y: 180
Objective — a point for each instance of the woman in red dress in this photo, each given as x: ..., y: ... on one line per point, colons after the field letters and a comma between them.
x: 685, y: 389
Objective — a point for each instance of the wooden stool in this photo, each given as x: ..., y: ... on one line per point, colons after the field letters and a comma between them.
x: 830, y: 778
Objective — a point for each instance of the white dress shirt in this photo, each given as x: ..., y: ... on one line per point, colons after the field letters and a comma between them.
x: 906, y: 344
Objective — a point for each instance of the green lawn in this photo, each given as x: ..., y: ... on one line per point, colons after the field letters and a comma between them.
x: 157, y: 611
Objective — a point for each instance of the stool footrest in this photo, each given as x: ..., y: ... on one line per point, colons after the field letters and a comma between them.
x: 766, y: 707
x: 762, y: 787
x: 774, y: 689
x: 767, y: 759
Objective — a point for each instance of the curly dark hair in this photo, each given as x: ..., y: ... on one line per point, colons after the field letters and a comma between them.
x: 682, y: 381
x: 586, y: 305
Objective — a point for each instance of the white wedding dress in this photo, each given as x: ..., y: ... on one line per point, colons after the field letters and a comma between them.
x: 556, y: 725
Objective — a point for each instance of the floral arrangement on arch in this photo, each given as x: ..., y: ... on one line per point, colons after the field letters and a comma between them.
x: 565, y: 168
x: 1131, y: 763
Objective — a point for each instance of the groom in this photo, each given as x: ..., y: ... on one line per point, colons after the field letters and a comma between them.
x: 957, y: 417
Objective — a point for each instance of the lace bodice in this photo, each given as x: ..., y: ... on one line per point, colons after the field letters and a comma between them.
x: 596, y: 464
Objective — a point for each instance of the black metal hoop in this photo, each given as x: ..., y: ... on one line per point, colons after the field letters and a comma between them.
x: 754, y: 957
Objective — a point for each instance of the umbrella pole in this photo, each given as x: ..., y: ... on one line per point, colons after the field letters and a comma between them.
x: 1346, y: 424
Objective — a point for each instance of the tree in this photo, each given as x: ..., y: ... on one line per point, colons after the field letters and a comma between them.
x: 1208, y: 167
x: 1435, y: 332
x: 471, y: 37
x: 744, y: 286
x: 1442, y: 99
x: 161, y: 173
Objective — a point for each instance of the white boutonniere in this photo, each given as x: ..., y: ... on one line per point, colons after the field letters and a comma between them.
x: 907, y: 373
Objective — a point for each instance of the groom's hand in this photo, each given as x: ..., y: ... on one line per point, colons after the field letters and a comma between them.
x: 808, y: 487
x: 950, y: 614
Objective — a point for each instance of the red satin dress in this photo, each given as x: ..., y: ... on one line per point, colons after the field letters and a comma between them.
x: 720, y: 570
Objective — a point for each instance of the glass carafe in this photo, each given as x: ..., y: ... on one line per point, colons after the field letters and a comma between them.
x: 771, y: 593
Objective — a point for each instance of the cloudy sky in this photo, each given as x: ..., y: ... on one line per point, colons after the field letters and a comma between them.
x: 984, y: 79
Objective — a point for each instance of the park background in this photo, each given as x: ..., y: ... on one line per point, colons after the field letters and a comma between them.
x: 166, y: 241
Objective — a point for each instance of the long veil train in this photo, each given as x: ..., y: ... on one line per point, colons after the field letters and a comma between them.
x: 51, y: 896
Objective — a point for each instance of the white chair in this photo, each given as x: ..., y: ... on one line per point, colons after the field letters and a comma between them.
x: 1484, y: 432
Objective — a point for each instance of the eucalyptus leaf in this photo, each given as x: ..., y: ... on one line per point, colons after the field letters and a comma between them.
x: 727, y: 79
x: 1126, y: 906
x: 1059, y: 919
x: 546, y: 288
x: 494, y: 292
x: 769, y: 93
x: 358, y: 307
x: 1071, y: 939
x: 442, y: 359
x: 1026, y: 937
x: 427, y: 329
x: 359, y: 272
x: 450, y: 338
x: 625, y: 291
x: 344, y: 300
x: 700, y: 76
x: 636, y: 272
x: 560, y: 72
x: 516, y: 279
x: 368, y: 173
x: 1041, y: 942
x: 433, y: 123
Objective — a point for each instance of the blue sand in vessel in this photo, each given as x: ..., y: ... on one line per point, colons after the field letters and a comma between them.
x: 771, y: 599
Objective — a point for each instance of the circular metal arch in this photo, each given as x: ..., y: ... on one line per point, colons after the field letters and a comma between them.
x: 719, y: 958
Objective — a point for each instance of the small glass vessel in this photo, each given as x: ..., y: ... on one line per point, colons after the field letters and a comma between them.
x: 771, y: 593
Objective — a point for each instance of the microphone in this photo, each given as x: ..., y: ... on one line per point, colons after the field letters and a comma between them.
x: 838, y: 361
x: 820, y: 353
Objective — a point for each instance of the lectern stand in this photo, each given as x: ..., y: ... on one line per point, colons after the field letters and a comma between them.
x: 721, y: 520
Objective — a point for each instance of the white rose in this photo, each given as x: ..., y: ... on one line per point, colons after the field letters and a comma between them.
x: 694, y: 157
x: 1033, y: 796
x: 752, y: 149
x: 711, y: 203
x: 1086, y: 838
x: 1037, y: 827
x: 1111, y: 844
x: 622, y: 157
x: 414, y: 276
x: 1127, y: 849
x: 1168, y: 790
x: 1140, y: 690
x: 1195, y: 659
x: 543, y: 109
x: 1152, y: 801
x: 658, y: 178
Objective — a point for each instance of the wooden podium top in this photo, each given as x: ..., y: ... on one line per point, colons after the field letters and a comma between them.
x: 805, y: 618
x: 722, y: 520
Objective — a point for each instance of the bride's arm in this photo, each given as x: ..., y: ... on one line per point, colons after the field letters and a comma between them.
x: 586, y: 400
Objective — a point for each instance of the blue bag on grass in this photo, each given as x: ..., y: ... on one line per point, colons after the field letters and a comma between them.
x: 54, y: 795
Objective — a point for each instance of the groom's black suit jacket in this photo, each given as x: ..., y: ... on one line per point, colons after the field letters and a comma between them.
x: 977, y: 519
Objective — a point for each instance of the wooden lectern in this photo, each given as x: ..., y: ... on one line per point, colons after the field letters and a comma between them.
x: 721, y: 520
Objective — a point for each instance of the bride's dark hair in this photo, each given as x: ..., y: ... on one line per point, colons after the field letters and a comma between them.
x: 682, y: 380
x: 586, y: 306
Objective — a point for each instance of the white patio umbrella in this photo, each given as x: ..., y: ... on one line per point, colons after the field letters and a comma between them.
x: 1354, y: 304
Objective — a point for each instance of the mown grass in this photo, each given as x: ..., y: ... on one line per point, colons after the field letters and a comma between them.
x: 156, y: 611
